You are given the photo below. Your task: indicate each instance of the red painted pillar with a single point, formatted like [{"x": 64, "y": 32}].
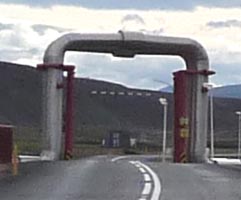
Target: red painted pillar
[
  {"x": 181, "y": 120},
  {"x": 6, "y": 143},
  {"x": 69, "y": 115}
]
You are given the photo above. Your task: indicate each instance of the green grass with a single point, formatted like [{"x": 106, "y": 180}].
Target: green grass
[{"x": 28, "y": 147}]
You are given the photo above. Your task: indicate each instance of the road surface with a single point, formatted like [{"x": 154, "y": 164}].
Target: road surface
[{"x": 121, "y": 178}]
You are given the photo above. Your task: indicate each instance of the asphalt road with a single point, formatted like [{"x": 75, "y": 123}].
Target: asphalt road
[{"x": 121, "y": 178}]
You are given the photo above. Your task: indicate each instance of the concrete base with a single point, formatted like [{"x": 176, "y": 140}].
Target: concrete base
[{"x": 48, "y": 156}]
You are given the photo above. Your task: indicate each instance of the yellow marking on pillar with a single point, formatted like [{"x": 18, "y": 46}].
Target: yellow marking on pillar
[
  {"x": 184, "y": 160},
  {"x": 146, "y": 150},
  {"x": 15, "y": 161},
  {"x": 184, "y": 132},
  {"x": 183, "y": 157},
  {"x": 68, "y": 155},
  {"x": 183, "y": 121},
  {"x": 182, "y": 154}
]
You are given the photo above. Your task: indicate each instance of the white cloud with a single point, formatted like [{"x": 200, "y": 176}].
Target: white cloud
[
  {"x": 21, "y": 42},
  {"x": 133, "y": 17}
]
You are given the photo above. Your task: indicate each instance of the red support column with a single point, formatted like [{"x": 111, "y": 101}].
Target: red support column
[
  {"x": 181, "y": 120},
  {"x": 6, "y": 143},
  {"x": 69, "y": 115}
]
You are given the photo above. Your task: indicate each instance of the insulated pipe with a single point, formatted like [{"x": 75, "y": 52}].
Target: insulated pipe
[{"x": 128, "y": 44}]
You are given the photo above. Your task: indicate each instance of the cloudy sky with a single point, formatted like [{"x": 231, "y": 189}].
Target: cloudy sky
[{"x": 27, "y": 27}]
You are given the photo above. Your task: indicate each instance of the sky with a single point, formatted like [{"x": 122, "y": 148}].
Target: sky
[{"x": 27, "y": 27}]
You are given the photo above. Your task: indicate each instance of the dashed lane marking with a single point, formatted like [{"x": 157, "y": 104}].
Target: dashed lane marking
[
  {"x": 157, "y": 185},
  {"x": 142, "y": 170},
  {"x": 147, "y": 177},
  {"x": 147, "y": 189},
  {"x": 151, "y": 180}
]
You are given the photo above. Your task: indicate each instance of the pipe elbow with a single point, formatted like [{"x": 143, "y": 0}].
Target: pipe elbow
[
  {"x": 199, "y": 50},
  {"x": 55, "y": 51}
]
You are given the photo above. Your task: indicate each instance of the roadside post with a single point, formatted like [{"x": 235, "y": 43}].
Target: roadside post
[
  {"x": 239, "y": 132},
  {"x": 163, "y": 102},
  {"x": 209, "y": 87},
  {"x": 15, "y": 161}
]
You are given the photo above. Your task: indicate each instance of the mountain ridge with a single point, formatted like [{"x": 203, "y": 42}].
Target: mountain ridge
[{"x": 226, "y": 91}]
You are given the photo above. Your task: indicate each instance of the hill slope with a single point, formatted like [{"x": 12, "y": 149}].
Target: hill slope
[
  {"x": 96, "y": 114},
  {"x": 229, "y": 91}
]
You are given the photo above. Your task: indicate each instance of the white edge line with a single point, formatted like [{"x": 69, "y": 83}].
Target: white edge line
[
  {"x": 119, "y": 158},
  {"x": 130, "y": 156},
  {"x": 157, "y": 185}
]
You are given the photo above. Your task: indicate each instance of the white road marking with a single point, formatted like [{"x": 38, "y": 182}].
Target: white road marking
[
  {"x": 147, "y": 189},
  {"x": 121, "y": 93},
  {"x": 132, "y": 162},
  {"x": 157, "y": 185},
  {"x": 137, "y": 165},
  {"x": 119, "y": 158},
  {"x": 103, "y": 92},
  {"x": 93, "y": 92},
  {"x": 27, "y": 158},
  {"x": 227, "y": 161},
  {"x": 147, "y": 177},
  {"x": 131, "y": 156},
  {"x": 142, "y": 170}
]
